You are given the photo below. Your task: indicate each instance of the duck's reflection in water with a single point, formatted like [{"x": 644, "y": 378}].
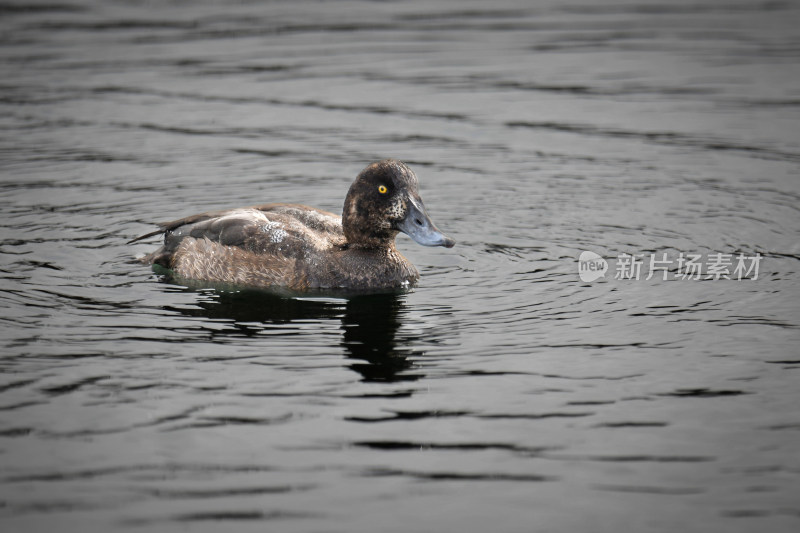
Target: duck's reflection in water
[{"x": 370, "y": 325}]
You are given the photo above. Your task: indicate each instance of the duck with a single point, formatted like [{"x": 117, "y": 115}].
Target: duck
[{"x": 302, "y": 248}]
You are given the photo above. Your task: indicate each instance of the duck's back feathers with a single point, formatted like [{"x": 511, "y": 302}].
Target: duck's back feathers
[{"x": 256, "y": 228}]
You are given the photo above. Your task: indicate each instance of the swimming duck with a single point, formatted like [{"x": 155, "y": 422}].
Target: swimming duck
[{"x": 299, "y": 247}]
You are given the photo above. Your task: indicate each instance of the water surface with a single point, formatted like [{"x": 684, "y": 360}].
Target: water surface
[{"x": 503, "y": 394}]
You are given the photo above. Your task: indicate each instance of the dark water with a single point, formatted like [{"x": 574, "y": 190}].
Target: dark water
[{"x": 504, "y": 394}]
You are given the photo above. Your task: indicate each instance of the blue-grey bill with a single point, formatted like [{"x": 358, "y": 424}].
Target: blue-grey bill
[{"x": 418, "y": 225}]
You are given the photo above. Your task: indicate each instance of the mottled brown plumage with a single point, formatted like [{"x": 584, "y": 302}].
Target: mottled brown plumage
[{"x": 300, "y": 247}]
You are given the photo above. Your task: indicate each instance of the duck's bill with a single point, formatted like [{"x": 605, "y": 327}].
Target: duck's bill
[{"x": 418, "y": 225}]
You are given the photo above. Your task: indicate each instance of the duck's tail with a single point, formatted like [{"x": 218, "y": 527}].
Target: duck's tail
[{"x": 147, "y": 235}]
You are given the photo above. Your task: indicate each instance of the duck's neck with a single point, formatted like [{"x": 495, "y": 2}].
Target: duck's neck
[{"x": 378, "y": 247}]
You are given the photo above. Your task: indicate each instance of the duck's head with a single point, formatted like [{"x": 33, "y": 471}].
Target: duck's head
[{"x": 384, "y": 200}]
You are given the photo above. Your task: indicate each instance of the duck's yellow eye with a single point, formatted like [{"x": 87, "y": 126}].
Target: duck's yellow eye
[{"x": 382, "y": 189}]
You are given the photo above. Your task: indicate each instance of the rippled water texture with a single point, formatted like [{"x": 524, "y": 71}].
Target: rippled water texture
[{"x": 504, "y": 393}]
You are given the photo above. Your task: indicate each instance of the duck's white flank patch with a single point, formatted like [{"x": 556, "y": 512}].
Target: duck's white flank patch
[{"x": 274, "y": 229}]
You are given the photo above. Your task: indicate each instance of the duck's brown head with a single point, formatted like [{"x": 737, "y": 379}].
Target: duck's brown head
[{"x": 384, "y": 200}]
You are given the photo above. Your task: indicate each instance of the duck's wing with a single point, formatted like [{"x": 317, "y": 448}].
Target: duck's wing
[
  {"x": 280, "y": 230},
  {"x": 164, "y": 227},
  {"x": 311, "y": 217}
]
